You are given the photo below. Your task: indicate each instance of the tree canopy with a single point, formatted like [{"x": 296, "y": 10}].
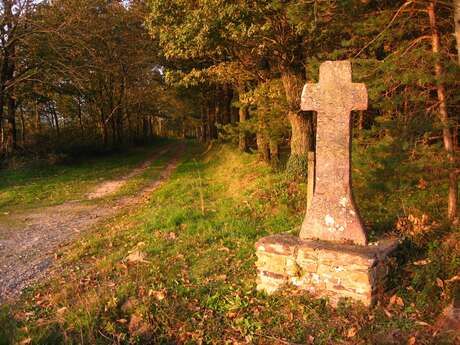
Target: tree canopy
[{"x": 108, "y": 73}]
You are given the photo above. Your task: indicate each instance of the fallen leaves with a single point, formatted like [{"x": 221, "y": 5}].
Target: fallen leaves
[
  {"x": 136, "y": 256},
  {"x": 221, "y": 277},
  {"x": 129, "y": 305},
  {"x": 413, "y": 225},
  {"x": 440, "y": 283},
  {"x": 159, "y": 295},
  {"x": 61, "y": 311},
  {"x": 423, "y": 323},
  {"x": 352, "y": 332},
  {"x": 396, "y": 300},
  {"x": 24, "y": 316},
  {"x": 42, "y": 322},
  {"x": 138, "y": 327},
  {"x": 422, "y": 262},
  {"x": 422, "y": 184},
  {"x": 25, "y": 341},
  {"x": 387, "y": 313}
]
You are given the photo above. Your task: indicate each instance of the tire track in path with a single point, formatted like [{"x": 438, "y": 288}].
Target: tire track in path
[{"x": 29, "y": 241}]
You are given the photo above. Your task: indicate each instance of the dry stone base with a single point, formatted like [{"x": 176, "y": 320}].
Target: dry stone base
[{"x": 323, "y": 268}]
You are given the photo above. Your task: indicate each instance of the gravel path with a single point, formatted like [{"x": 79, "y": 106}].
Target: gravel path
[{"x": 29, "y": 241}]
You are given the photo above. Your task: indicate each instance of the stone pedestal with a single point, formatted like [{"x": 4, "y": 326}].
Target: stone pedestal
[{"x": 323, "y": 268}]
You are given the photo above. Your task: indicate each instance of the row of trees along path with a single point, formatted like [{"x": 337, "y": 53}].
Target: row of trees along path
[{"x": 97, "y": 72}]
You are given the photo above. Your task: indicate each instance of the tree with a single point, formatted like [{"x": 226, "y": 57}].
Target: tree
[
  {"x": 14, "y": 29},
  {"x": 266, "y": 38},
  {"x": 449, "y": 144},
  {"x": 457, "y": 26},
  {"x": 412, "y": 111},
  {"x": 95, "y": 70}
]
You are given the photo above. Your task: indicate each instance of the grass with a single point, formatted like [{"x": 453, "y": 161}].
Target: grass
[
  {"x": 196, "y": 282},
  {"x": 44, "y": 185},
  {"x": 138, "y": 182}
]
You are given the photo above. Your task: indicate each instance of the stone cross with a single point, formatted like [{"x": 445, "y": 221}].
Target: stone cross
[{"x": 333, "y": 215}]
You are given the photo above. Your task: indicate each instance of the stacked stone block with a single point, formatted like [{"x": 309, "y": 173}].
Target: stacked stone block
[{"x": 323, "y": 268}]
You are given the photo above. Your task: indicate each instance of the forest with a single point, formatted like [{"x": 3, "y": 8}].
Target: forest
[{"x": 204, "y": 97}]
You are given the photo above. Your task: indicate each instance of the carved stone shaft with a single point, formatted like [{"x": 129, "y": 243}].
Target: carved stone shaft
[{"x": 333, "y": 215}]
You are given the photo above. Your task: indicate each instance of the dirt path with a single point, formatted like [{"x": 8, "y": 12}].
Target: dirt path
[
  {"x": 29, "y": 241},
  {"x": 110, "y": 187}
]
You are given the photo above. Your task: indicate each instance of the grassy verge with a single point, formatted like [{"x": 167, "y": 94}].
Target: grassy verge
[
  {"x": 45, "y": 185},
  {"x": 181, "y": 270}
]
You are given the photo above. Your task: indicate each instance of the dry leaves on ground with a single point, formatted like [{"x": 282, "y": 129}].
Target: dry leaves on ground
[{"x": 136, "y": 256}]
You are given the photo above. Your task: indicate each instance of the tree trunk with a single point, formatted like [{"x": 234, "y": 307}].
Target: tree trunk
[
  {"x": 227, "y": 105},
  {"x": 152, "y": 132},
  {"x": 211, "y": 120},
  {"x": 444, "y": 116},
  {"x": 274, "y": 153},
  {"x": 263, "y": 142},
  {"x": 2, "y": 104},
  {"x": 104, "y": 129},
  {"x": 119, "y": 126},
  {"x": 130, "y": 128},
  {"x": 38, "y": 125},
  {"x": 243, "y": 138},
  {"x": 263, "y": 146},
  {"x": 11, "y": 144},
  {"x": 4, "y": 78},
  {"x": 114, "y": 130},
  {"x": 300, "y": 141},
  {"x": 184, "y": 128},
  {"x": 55, "y": 120},
  {"x": 300, "y": 123},
  {"x": 457, "y": 26},
  {"x": 80, "y": 120},
  {"x": 160, "y": 127},
  {"x": 300, "y": 144},
  {"x": 203, "y": 126},
  {"x": 234, "y": 111},
  {"x": 11, "y": 101},
  {"x": 215, "y": 112},
  {"x": 145, "y": 129},
  {"x": 23, "y": 126}
]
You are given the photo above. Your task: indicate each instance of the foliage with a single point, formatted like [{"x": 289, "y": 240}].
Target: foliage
[{"x": 95, "y": 77}]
